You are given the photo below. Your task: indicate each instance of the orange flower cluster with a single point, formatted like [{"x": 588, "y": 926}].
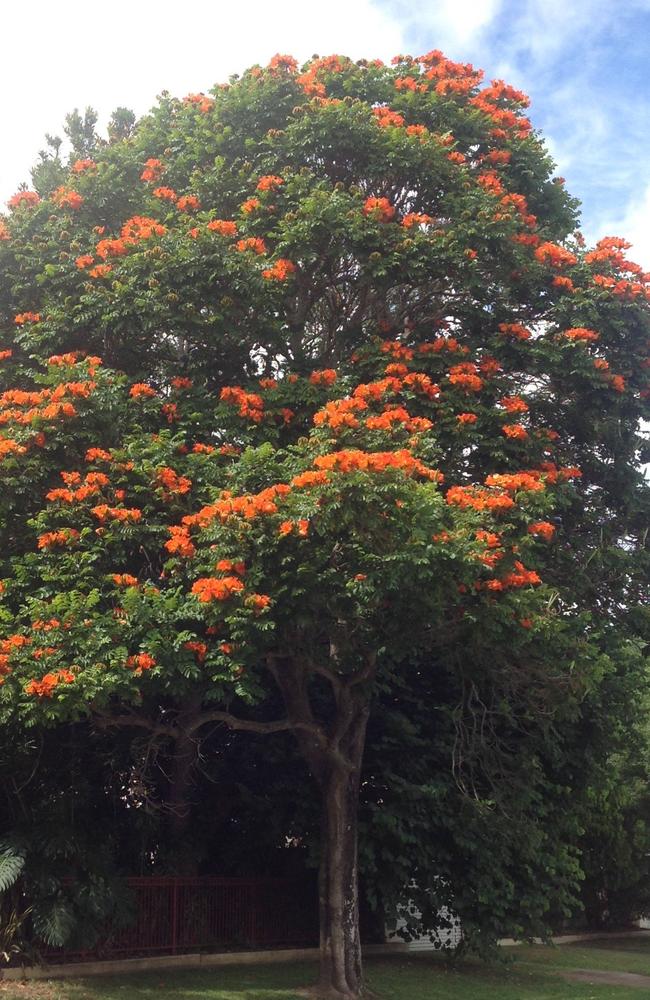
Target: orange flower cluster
[
  {"x": 530, "y": 481},
  {"x": 514, "y": 404},
  {"x": 515, "y": 431},
  {"x": 386, "y": 118},
  {"x": 140, "y": 662},
  {"x": 326, "y": 376},
  {"x": 179, "y": 382},
  {"x": 200, "y": 102},
  {"x": 86, "y": 260},
  {"x": 416, "y": 219},
  {"x": 398, "y": 415},
  {"x": 269, "y": 182},
  {"x": 4, "y": 232},
  {"x": 409, "y": 83},
  {"x": 141, "y": 389},
  {"x": 515, "y": 330},
  {"x": 309, "y": 81},
  {"x": 450, "y": 344},
  {"x": 490, "y": 181},
  {"x": 153, "y": 170},
  {"x": 544, "y": 529},
  {"x": 521, "y": 578},
  {"x": 300, "y": 527},
  {"x": 98, "y": 455},
  {"x": 354, "y": 460},
  {"x": 104, "y": 513},
  {"x": 80, "y": 166},
  {"x": 581, "y": 333},
  {"x": 478, "y": 498},
  {"x": 491, "y": 102},
  {"x": 55, "y": 539},
  {"x": 465, "y": 377},
  {"x": 248, "y": 506},
  {"x": 397, "y": 350},
  {"x": 380, "y": 208},
  {"x": 180, "y": 544},
  {"x": 27, "y": 317},
  {"x": 340, "y": 413},
  {"x": 250, "y": 205},
  {"x": 9, "y": 447},
  {"x": 172, "y": 483},
  {"x": 92, "y": 484},
  {"x": 27, "y": 198},
  {"x": 188, "y": 203},
  {"x": 282, "y": 63},
  {"x": 377, "y": 390},
  {"x": 141, "y": 227},
  {"x": 165, "y": 194},
  {"x": 419, "y": 382},
  {"x": 556, "y": 256},
  {"x": 466, "y": 418},
  {"x": 310, "y": 478},
  {"x": 100, "y": 271},
  {"x": 199, "y": 649},
  {"x": 223, "y": 226},
  {"x": 251, "y": 406},
  {"x": 6, "y": 354},
  {"x": 561, "y": 281},
  {"x": 45, "y": 687},
  {"x": 258, "y": 601},
  {"x": 280, "y": 270},
  {"x": 211, "y": 588},
  {"x": 253, "y": 243},
  {"x": 125, "y": 580},
  {"x": 65, "y": 198}
]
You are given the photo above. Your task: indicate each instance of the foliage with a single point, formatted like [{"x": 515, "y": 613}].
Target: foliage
[{"x": 365, "y": 389}]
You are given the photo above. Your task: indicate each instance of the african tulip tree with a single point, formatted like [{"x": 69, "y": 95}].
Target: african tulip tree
[{"x": 354, "y": 364}]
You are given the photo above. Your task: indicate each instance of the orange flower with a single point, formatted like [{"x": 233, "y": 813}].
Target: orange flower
[
  {"x": 171, "y": 482},
  {"x": 52, "y": 539},
  {"x": 466, "y": 418},
  {"x": 180, "y": 543},
  {"x": 125, "y": 580},
  {"x": 153, "y": 169},
  {"x": 6, "y": 354},
  {"x": 199, "y": 649},
  {"x": 27, "y": 317},
  {"x": 103, "y": 513},
  {"x": 223, "y": 226},
  {"x": 98, "y": 455},
  {"x": 542, "y": 528},
  {"x": 141, "y": 389},
  {"x": 141, "y": 227},
  {"x": 65, "y": 198},
  {"x": 84, "y": 261},
  {"x": 416, "y": 219},
  {"x": 310, "y": 478},
  {"x": 212, "y": 589},
  {"x": 165, "y": 194},
  {"x": 556, "y": 256},
  {"x": 279, "y": 271},
  {"x": 27, "y": 198},
  {"x": 514, "y": 404},
  {"x": 4, "y": 232},
  {"x": 228, "y": 566},
  {"x": 465, "y": 377},
  {"x": 200, "y": 102},
  {"x": 269, "y": 182},
  {"x": 254, "y": 243},
  {"x": 379, "y": 208},
  {"x": 140, "y": 662},
  {"x": 100, "y": 271},
  {"x": 327, "y": 376},
  {"x": 188, "y": 203},
  {"x": 80, "y": 166},
  {"x": 250, "y": 205},
  {"x": 386, "y": 118},
  {"x": 258, "y": 601},
  {"x": 178, "y": 382},
  {"x": 515, "y": 330},
  {"x": 581, "y": 333},
  {"x": 515, "y": 431}
]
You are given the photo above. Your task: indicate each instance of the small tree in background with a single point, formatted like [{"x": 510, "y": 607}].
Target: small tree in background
[{"x": 364, "y": 394}]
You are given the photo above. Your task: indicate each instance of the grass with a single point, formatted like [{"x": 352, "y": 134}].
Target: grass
[{"x": 532, "y": 975}]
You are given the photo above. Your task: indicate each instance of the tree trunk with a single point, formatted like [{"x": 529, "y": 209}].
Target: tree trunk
[{"x": 340, "y": 945}]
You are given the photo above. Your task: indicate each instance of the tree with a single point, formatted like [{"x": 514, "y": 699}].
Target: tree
[{"x": 330, "y": 292}]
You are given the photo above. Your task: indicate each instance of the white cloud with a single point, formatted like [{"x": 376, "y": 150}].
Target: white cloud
[
  {"x": 634, "y": 225},
  {"x": 75, "y": 53},
  {"x": 455, "y": 26}
]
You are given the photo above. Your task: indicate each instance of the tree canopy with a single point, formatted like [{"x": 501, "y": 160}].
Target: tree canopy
[{"x": 312, "y": 388}]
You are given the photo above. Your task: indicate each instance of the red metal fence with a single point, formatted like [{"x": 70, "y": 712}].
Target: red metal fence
[{"x": 175, "y": 914}]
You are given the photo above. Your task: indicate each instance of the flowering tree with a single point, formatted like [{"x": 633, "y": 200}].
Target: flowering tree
[{"x": 359, "y": 381}]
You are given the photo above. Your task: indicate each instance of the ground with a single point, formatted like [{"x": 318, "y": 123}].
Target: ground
[{"x": 530, "y": 973}]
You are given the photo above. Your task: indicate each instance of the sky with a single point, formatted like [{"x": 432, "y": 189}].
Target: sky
[{"x": 584, "y": 64}]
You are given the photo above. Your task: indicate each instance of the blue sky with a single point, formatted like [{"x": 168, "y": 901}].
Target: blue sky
[{"x": 585, "y": 64}]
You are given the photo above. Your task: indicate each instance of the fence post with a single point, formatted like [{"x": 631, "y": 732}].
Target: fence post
[{"x": 174, "y": 914}]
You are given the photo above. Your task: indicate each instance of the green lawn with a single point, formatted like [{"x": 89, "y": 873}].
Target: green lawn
[{"x": 532, "y": 975}]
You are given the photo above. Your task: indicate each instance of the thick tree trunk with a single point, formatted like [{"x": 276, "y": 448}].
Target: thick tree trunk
[{"x": 340, "y": 946}]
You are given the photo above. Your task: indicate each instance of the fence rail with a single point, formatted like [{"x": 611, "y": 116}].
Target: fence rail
[{"x": 176, "y": 914}]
